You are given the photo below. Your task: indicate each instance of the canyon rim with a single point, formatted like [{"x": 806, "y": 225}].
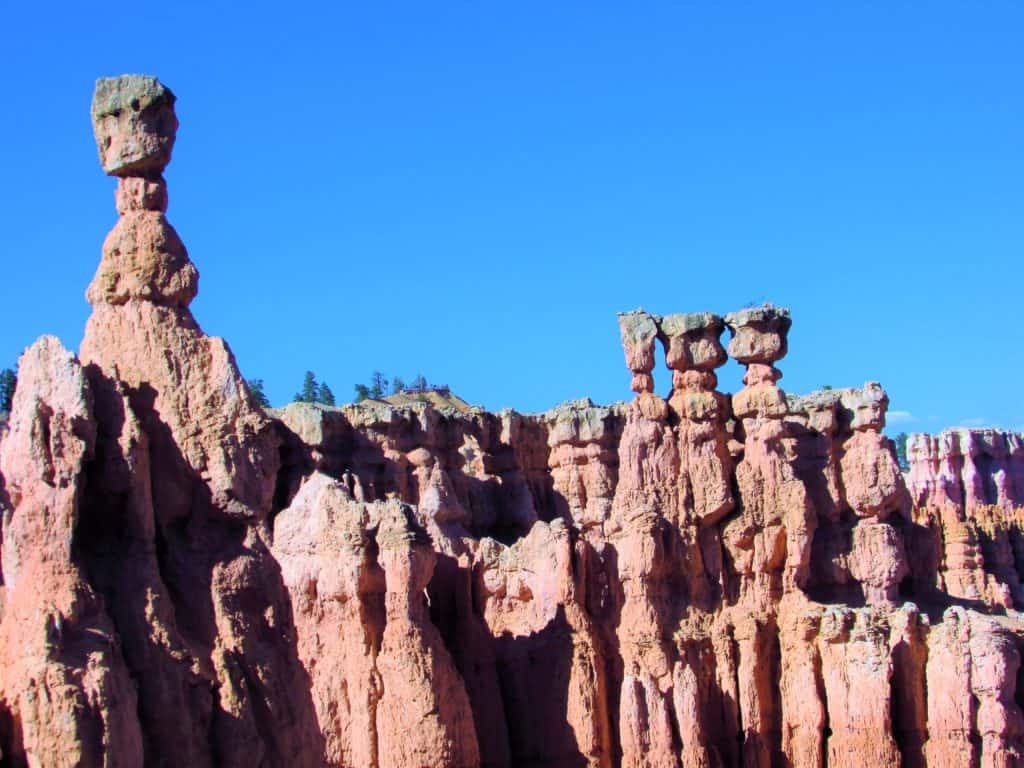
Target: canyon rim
[{"x": 699, "y": 580}]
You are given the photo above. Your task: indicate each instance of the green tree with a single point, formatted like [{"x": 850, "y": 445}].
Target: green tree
[
  {"x": 310, "y": 389},
  {"x": 257, "y": 392},
  {"x": 326, "y": 396},
  {"x": 362, "y": 392},
  {"x": 901, "y": 451},
  {"x": 420, "y": 382},
  {"x": 378, "y": 383},
  {"x": 397, "y": 385},
  {"x": 8, "y": 383}
]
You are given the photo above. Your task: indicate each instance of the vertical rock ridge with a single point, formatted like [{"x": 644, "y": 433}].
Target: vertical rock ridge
[
  {"x": 65, "y": 690},
  {"x": 184, "y": 482}
]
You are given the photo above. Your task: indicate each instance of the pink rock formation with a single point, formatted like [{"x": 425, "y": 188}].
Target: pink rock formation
[
  {"x": 638, "y": 330},
  {"x": 693, "y": 351},
  {"x": 769, "y": 542},
  {"x": 966, "y": 487},
  {"x": 170, "y": 531},
  {"x": 695, "y": 580},
  {"x": 385, "y": 687},
  {"x": 67, "y": 696},
  {"x": 966, "y": 468}
]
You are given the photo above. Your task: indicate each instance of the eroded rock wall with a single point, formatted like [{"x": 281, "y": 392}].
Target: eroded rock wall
[{"x": 698, "y": 580}]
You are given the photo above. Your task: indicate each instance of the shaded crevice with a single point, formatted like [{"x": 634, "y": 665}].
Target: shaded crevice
[
  {"x": 907, "y": 703},
  {"x": 734, "y": 652},
  {"x": 774, "y": 679},
  {"x": 152, "y": 544},
  {"x": 294, "y": 465},
  {"x": 533, "y": 674},
  {"x": 826, "y": 725},
  {"x": 12, "y": 748}
]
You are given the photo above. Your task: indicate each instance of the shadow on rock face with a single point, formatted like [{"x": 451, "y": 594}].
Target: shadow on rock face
[
  {"x": 534, "y": 675},
  {"x": 197, "y": 599}
]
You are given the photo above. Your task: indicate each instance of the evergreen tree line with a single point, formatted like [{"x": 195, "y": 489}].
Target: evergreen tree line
[
  {"x": 380, "y": 386},
  {"x": 314, "y": 392},
  {"x": 320, "y": 392}
]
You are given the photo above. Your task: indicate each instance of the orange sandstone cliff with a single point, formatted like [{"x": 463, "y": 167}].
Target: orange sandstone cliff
[{"x": 698, "y": 580}]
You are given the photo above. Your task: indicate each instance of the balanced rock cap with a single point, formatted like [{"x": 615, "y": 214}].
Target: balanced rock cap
[
  {"x": 778, "y": 317},
  {"x": 691, "y": 340},
  {"x": 759, "y": 334},
  {"x": 686, "y": 322},
  {"x": 134, "y": 123},
  {"x": 638, "y": 330}
]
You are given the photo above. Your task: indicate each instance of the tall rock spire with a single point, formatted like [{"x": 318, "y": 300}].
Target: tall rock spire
[
  {"x": 143, "y": 257},
  {"x": 142, "y": 332},
  {"x": 186, "y": 467}
]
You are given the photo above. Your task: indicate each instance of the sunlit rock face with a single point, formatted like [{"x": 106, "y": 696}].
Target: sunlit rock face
[{"x": 701, "y": 579}]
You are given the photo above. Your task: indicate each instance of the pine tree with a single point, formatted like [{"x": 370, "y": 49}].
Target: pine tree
[
  {"x": 8, "y": 383},
  {"x": 257, "y": 392},
  {"x": 310, "y": 389},
  {"x": 362, "y": 392},
  {"x": 420, "y": 382},
  {"x": 378, "y": 383},
  {"x": 326, "y": 396}
]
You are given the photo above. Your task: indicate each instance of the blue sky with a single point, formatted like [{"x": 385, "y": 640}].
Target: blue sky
[{"x": 473, "y": 190}]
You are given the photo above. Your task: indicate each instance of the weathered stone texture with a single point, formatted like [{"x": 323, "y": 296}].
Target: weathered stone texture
[{"x": 695, "y": 580}]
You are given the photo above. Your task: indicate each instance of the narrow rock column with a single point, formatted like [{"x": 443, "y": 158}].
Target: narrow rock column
[
  {"x": 873, "y": 488},
  {"x": 143, "y": 258},
  {"x": 801, "y": 687},
  {"x": 768, "y": 543},
  {"x": 639, "y": 330},
  {"x": 856, "y": 670},
  {"x": 424, "y": 716},
  {"x": 214, "y": 649},
  {"x": 329, "y": 565},
  {"x": 141, "y": 331},
  {"x": 645, "y": 537},
  {"x": 951, "y": 708},
  {"x": 67, "y": 699},
  {"x": 772, "y": 536},
  {"x": 693, "y": 352}
]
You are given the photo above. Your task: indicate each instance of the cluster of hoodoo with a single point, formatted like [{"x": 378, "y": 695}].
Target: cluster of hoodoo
[{"x": 702, "y": 579}]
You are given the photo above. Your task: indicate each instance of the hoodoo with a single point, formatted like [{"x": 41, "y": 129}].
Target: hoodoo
[{"x": 697, "y": 580}]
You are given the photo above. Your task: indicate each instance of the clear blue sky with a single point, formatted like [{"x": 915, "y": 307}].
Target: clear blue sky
[{"x": 473, "y": 190}]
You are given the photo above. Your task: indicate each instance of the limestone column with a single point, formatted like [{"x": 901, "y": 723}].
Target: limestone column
[
  {"x": 646, "y": 543},
  {"x": 768, "y": 543},
  {"x": 873, "y": 489},
  {"x": 772, "y": 536},
  {"x": 693, "y": 351}
]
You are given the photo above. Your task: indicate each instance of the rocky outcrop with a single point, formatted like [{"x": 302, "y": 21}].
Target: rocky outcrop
[
  {"x": 68, "y": 698},
  {"x": 967, "y": 468},
  {"x": 164, "y": 507},
  {"x": 386, "y": 690},
  {"x": 966, "y": 487},
  {"x": 692, "y": 580}
]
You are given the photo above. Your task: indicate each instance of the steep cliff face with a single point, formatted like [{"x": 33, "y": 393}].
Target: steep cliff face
[{"x": 697, "y": 580}]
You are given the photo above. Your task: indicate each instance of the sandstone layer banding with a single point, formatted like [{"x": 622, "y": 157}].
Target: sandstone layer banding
[{"x": 699, "y": 580}]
